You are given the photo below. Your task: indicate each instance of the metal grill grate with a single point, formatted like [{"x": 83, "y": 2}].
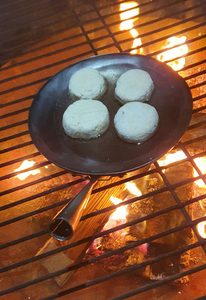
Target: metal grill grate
[{"x": 71, "y": 31}]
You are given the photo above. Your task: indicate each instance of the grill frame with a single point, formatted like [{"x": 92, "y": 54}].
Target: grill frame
[{"x": 157, "y": 168}]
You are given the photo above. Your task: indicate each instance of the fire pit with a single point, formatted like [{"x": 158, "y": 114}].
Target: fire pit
[{"x": 143, "y": 234}]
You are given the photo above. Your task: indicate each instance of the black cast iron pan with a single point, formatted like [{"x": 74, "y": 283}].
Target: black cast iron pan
[{"x": 108, "y": 155}]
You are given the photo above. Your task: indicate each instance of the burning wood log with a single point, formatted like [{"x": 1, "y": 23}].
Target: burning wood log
[
  {"x": 171, "y": 220},
  {"x": 88, "y": 227},
  {"x": 152, "y": 227}
]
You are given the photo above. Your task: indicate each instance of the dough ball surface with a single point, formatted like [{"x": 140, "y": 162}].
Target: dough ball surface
[
  {"x": 134, "y": 85},
  {"x": 87, "y": 83},
  {"x": 85, "y": 119},
  {"x": 136, "y": 122}
]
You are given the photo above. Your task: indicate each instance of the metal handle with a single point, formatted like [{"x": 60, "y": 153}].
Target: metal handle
[{"x": 66, "y": 222}]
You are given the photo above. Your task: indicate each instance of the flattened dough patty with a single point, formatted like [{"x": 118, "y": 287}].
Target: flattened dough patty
[
  {"x": 87, "y": 83},
  {"x": 134, "y": 85},
  {"x": 85, "y": 119},
  {"x": 135, "y": 122}
]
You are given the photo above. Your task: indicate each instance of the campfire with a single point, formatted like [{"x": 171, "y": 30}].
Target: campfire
[
  {"x": 144, "y": 229},
  {"x": 174, "y": 48}
]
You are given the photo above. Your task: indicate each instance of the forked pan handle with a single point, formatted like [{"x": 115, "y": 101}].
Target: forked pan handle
[{"x": 66, "y": 221}]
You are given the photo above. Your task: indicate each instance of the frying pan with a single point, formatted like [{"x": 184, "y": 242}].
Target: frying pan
[{"x": 108, "y": 154}]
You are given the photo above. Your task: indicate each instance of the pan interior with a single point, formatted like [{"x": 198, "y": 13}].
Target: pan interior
[{"x": 109, "y": 154}]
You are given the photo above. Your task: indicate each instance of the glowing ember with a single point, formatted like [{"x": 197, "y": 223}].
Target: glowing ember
[
  {"x": 133, "y": 189},
  {"x": 201, "y": 164},
  {"x": 171, "y": 158},
  {"x": 26, "y": 164},
  {"x": 201, "y": 227},
  {"x": 129, "y": 24},
  {"x": 181, "y": 50}
]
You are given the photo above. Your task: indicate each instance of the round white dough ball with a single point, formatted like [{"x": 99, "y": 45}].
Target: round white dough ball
[
  {"x": 87, "y": 83},
  {"x": 135, "y": 122},
  {"x": 85, "y": 119},
  {"x": 134, "y": 85}
]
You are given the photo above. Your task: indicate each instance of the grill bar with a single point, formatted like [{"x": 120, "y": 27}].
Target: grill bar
[
  {"x": 108, "y": 29},
  {"x": 83, "y": 23},
  {"x": 23, "y": 186},
  {"x": 38, "y": 81},
  {"x": 171, "y": 186},
  {"x": 189, "y": 157},
  {"x": 178, "y": 201},
  {"x": 47, "y": 192},
  {"x": 169, "y": 35},
  {"x": 133, "y": 177},
  {"x": 129, "y": 269},
  {"x": 19, "y": 159},
  {"x": 13, "y": 137},
  {"x": 42, "y": 164},
  {"x": 200, "y": 109},
  {"x": 199, "y": 97},
  {"x": 108, "y": 209},
  {"x": 196, "y": 139},
  {"x": 197, "y": 85},
  {"x": 95, "y": 51},
  {"x": 195, "y": 75},
  {"x": 85, "y": 12},
  {"x": 116, "y": 13},
  {"x": 35, "y": 212},
  {"x": 164, "y": 281},
  {"x": 32, "y": 18},
  {"x": 92, "y": 31},
  {"x": 196, "y": 125},
  {"x": 28, "y": 143},
  {"x": 186, "y": 55},
  {"x": 19, "y": 84},
  {"x": 108, "y": 254},
  {"x": 188, "y": 42},
  {"x": 14, "y": 148},
  {"x": 181, "y": 206},
  {"x": 113, "y": 44},
  {"x": 193, "y": 65},
  {"x": 13, "y": 125},
  {"x": 24, "y": 239},
  {"x": 17, "y": 101}
]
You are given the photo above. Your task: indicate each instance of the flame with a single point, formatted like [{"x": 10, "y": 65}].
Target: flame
[
  {"x": 129, "y": 24},
  {"x": 179, "y": 155},
  {"x": 26, "y": 164},
  {"x": 181, "y": 50},
  {"x": 201, "y": 227},
  {"x": 120, "y": 213},
  {"x": 133, "y": 189},
  {"x": 171, "y": 157},
  {"x": 201, "y": 164},
  {"x": 124, "y": 15}
]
